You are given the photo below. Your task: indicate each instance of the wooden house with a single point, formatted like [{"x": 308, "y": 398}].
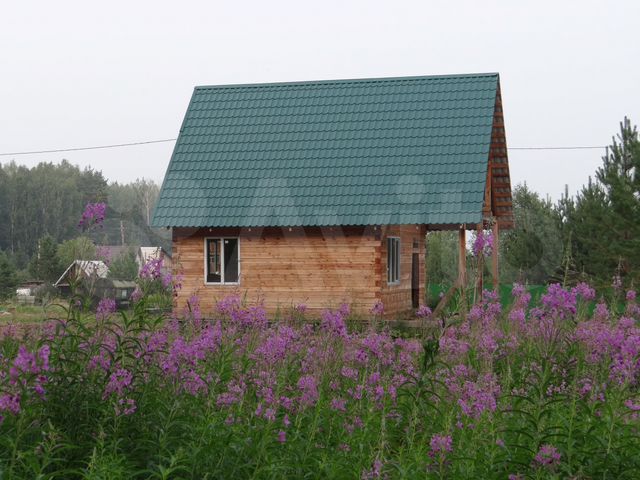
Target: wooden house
[
  {"x": 322, "y": 192},
  {"x": 91, "y": 278}
]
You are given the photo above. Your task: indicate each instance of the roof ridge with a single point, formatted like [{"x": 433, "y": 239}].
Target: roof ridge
[{"x": 345, "y": 81}]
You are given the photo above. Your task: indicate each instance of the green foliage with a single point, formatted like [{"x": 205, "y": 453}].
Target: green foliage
[
  {"x": 442, "y": 257},
  {"x": 129, "y": 215},
  {"x": 44, "y": 200},
  {"x": 76, "y": 432},
  {"x": 124, "y": 267},
  {"x": 620, "y": 178},
  {"x": 603, "y": 221},
  {"x": 8, "y": 277},
  {"x": 45, "y": 264},
  {"x": 79, "y": 248},
  {"x": 532, "y": 251},
  {"x": 49, "y": 199}
]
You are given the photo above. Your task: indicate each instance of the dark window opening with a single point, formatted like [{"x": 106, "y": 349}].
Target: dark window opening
[
  {"x": 231, "y": 260},
  {"x": 222, "y": 260},
  {"x": 393, "y": 260}
]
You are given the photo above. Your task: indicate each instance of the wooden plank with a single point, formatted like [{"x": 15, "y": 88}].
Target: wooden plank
[
  {"x": 462, "y": 267},
  {"x": 494, "y": 256}
]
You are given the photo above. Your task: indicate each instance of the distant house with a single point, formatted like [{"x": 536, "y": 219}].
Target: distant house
[
  {"x": 322, "y": 192},
  {"x": 81, "y": 270},
  {"x": 90, "y": 277},
  {"x": 26, "y": 291}
]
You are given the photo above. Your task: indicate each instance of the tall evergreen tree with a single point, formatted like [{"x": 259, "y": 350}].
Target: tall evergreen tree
[
  {"x": 620, "y": 178},
  {"x": 602, "y": 223},
  {"x": 45, "y": 264},
  {"x": 8, "y": 277}
]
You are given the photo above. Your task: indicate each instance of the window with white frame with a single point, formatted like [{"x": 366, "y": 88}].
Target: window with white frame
[
  {"x": 222, "y": 260},
  {"x": 393, "y": 260}
]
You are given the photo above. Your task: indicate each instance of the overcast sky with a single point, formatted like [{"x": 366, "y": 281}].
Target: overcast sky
[{"x": 74, "y": 74}]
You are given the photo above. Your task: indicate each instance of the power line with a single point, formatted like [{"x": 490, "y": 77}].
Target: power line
[
  {"x": 148, "y": 142},
  {"x": 95, "y": 147},
  {"x": 590, "y": 147}
]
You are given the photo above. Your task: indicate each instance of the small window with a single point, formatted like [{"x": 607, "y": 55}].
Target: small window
[
  {"x": 393, "y": 260},
  {"x": 222, "y": 261}
]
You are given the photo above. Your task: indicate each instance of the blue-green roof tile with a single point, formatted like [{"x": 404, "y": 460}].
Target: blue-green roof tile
[{"x": 345, "y": 152}]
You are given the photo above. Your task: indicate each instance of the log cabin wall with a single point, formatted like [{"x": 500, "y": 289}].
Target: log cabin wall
[
  {"x": 397, "y": 298},
  {"x": 320, "y": 267}
]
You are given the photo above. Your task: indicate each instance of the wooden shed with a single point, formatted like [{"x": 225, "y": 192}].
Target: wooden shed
[{"x": 322, "y": 192}]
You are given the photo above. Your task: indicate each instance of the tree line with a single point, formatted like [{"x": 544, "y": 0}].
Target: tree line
[{"x": 39, "y": 212}]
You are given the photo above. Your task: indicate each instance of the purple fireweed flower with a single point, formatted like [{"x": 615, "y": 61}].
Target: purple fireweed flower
[
  {"x": 309, "y": 390},
  {"x": 423, "y": 312},
  {"x": 43, "y": 355},
  {"x": 548, "y": 456},
  {"x": 93, "y": 215},
  {"x": 119, "y": 381},
  {"x": 282, "y": 436},
  {"x": 277, "y": 346},
  {"x": 106, "y": 307},
  {"x": 10, "y": 403},
  {"x": 125, "y": 406},
  {"x": 375, "y": 472},
  {"x": 350, "y": 373},
  {"x": 333, "y": 322},
  {"x": 518, "y": 316},
  {"x": 482, "y": 244},
  {"x": 440, "y": 445},
  {"x": 632, "y": 406},
  {"x": 152, "y": 270},
  {"x": 136, "y": 295},
  {"x": 631, "y": 296},
  {"x": 601, "y": 312},
  {"x": 300, "y": 308},
  {"x": 585, "y": 291},
  {"x": 559, "y": 302},
  {"x": 451, "y": 345},
  {"x": 25, "y": 362},
  {"x": 339, "y": 404},
  {"x": 521, "y": 296},
  {"x": 378, "y": 308},
  {"x": 234, "y": 394}
]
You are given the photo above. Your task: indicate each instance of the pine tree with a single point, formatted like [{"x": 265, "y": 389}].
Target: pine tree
[
  {"x": 620, "y": 178},
  {"x": 45, "y": 264},
  {"x": 8, "y": 277}
]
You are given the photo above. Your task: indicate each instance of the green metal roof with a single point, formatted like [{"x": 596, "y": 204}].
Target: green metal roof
[{"x": 410, "y": 150}]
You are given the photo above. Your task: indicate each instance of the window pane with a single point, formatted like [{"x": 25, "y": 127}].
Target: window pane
[
  {"x": 213, "y": 260},
  {"x": 397, "y": 264},
  {"x": 231, "y": 260},
  {"x": 389, "y": 262}
]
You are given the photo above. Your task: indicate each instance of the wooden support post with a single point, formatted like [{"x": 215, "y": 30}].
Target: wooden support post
[
  {"x": 479, "y": 286},
  {"x": 462, "y": 267},
  {"x": 494, "y": 255}
]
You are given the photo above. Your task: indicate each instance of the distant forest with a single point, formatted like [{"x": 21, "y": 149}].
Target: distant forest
[{"x": 47, "y": 201}]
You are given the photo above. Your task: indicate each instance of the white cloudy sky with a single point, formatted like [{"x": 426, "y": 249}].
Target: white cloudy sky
[{"x": 79, "y": 73}]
